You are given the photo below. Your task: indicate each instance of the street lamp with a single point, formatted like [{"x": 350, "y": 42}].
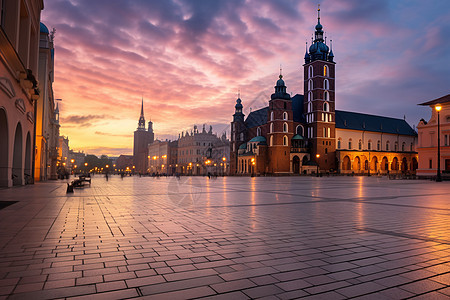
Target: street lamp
[
  {"x": 438, "y": 177},
  {"x": 317, "y": 161}
]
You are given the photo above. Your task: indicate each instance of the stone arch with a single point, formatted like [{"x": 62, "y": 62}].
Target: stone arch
[
  {"x": 394, "y": 164},
  {"x": 404, "y": 166},
  {"x": 27, "y": 170},
  {"x": 346, "y": 163},
  {"x": 258, "y": 131},
  {"x": 414, "y": 164},
  {"x": 299, "y": 130},
  {"x": 17, "y": 167},
  {"x": 357, "y": 164},
  {"x": 384, "y": 164},
  {"x": 4, "y": 155},
  {"x": 374, "y": 164},
  {"x": 296, "y": 164}
]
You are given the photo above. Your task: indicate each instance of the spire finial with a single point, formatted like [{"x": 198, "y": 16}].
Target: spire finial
[
  {"x": 239, "y": 93},
  {"x": 318, "y": 12},
  {"x": 281, "y": 70},
  {"x": 142, "y": 107}
]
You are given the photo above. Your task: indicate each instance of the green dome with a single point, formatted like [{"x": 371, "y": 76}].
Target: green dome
[
  {"x": 243, "y": 146},
  {"x": 257, "y": 139},
  {"x": 297, "y": 137}
]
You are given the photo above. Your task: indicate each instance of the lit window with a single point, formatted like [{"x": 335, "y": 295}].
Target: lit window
[
  {"x": 285, "y": 141},
  {"x": 271, "y": 140},
  {"x": 325, "y": 71},
  {"x": 271, "y": 127}
]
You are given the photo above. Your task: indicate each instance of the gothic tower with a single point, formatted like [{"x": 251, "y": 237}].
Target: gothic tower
[
  {"x": 142, "y": 138},
  {"x": 237, "y": 134},
  {"x": 319, "y": 104},
  {"x": 280, "y": 129}
]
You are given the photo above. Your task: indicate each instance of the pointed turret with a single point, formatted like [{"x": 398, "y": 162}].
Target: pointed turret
[{"x": 141, "y": 122}]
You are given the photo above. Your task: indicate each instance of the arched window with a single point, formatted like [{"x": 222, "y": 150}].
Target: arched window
[
  {"x": 271, "y": 140},
  {"x": 324, "y": 132},
  {"x": 396, "y": 146},
  {"x": 329, "y": 132},
  {"x": 411, "y": 147},
  {"x": 329, "y": 118},
  {"x": 350, "y": 144},
  {"x": 326, "y": 106},
  {"x": 310, "y": 96},
  {"x": 323, "y": 117},
  {"x": 403, "y": 147},
  {"x": 369, "y": 145},
  {"x": 299, "y": 130},
  {"x": 271, "y": 116},
  {"x": 258, "y": 131},
  {"x": 339, "y": 143},
  {"x": 310, "y": 72},
  {"x": 387, "y": 146},
  {"x": 310, "y": 85},
  {"x": 326, "y": 96},
  {"x": 325, "y": 71},
  {"x": 378, "y": 145},
  {"x": 285, "y": 141},
  {"x": 310, "y": 107},
  {"x": 359, "y": 145},
  {"x": 285, "y": 116},
  {"x": 285, "y": 127},
  {"x": 271, "y": 127},
  {"x": 326, "y": 84}
]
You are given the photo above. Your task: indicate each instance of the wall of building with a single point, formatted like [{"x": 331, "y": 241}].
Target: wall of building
[
  {"x": 427, "y": 144},
  {"x": 19, "y": 34}
]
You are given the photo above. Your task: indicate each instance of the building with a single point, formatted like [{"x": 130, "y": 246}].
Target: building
[
  {"x": 200, "y": 152},
  {"x": 19, "y": 40},
  {"x": 124, "y": 163},
  {"x": 302, "y": 134},
  {"x": 428, "y": 138},
  {"x": 142, "y": 138},
  {"x": 47, "y": 115},
  {"x": 161, "y": 158}
]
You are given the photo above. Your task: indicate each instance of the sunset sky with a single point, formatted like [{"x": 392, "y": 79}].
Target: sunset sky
[{"x": 188, "y": 59}]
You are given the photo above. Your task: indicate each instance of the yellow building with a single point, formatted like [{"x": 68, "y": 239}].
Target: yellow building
[{"x": 19, "y": 49}]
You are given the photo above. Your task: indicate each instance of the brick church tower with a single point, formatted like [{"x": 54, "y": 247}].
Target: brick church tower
[
  {"x": 281, "y": 128},
  {"x": 142, "y": 138},
  {"x": 238, "y": 134},
  {"x": 319, "y": 104}
]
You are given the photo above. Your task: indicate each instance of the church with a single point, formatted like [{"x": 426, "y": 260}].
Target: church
[{"x": 305, "y": 134}]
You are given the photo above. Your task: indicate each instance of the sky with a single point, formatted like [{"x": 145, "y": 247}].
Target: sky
[{"x": 188, "y": 59}]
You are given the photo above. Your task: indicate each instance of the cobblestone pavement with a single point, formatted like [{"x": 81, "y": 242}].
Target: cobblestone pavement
[{"x": 227, "y": 238}]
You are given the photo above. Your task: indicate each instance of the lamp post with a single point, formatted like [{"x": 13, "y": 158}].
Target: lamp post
[
  {"x": 317, "y": 161},
  {"x": 438, "y": 175}
]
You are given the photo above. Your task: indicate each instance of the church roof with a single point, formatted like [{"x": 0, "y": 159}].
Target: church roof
[
  {"x": 257, "y": 117},
  {"x": 441, "y": 100},
  {"x": 359, "y": 121}
]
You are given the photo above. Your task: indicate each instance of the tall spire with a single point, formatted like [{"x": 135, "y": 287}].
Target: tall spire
[{"x": 141, "y": 123}]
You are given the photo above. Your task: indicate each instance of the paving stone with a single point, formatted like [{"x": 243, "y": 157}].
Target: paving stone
[{"x": 265, "y": 237}]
